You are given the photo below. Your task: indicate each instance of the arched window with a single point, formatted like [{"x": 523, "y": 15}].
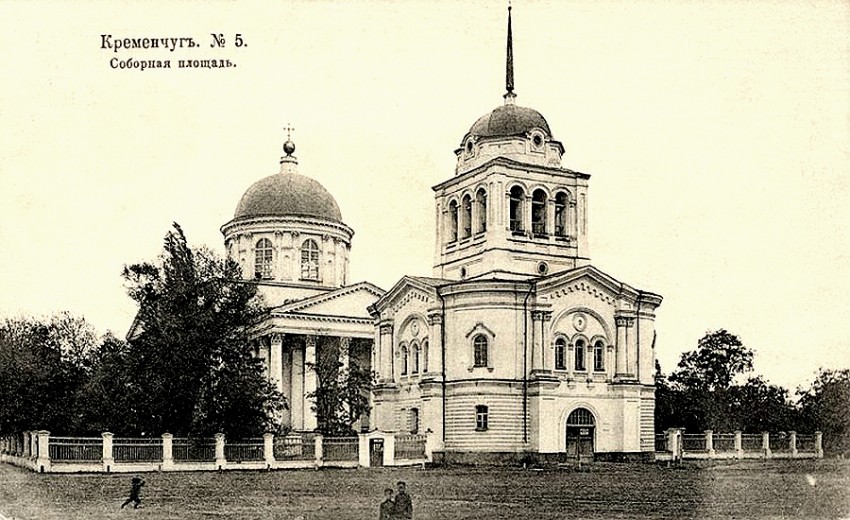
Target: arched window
[
  {"x": 403, "y": 360},
  {"x": 479, "y": 346},
  {"x": 466, "y": 217},
  {"x": 580, "y": 417},
  {"x": 263, "y": 259},
  {"x": 561, "y": 214},
  {"x": 309, "y": 260},
  {"x": 481, "y": 200},
  {"x": 515, "y": 213},
  {"x": 414, "y": 350},
  {"x": 599, "y": 356},
  {"x": 560, "y": 354},
  {"x": 414, "y": 420},
  {"x": 538, "y": 212},
  {"x": 453, "y": 221},
  {"x": 425, "y": 356},
  {"x": 481, "y": 418},
  {"x": 579, "y": 353}
]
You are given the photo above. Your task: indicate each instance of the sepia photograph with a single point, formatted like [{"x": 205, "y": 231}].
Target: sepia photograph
[{"x": 427, "y": 259}]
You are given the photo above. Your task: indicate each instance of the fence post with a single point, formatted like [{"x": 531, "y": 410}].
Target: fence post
[
  {"x": 167, "y": 451},
  {"x": 268, "y": 448},
  {"x": 792, "y": 442},
  {"x": 819, "y": 444},
  {"x": 106, "y": 457},
  {"x": 43, "y": 461},
  {"x": 363, "y": 450},
  {"x": 739, "y": 445},
  {"x": 430, "y": 441},
  {"x": 318, "y": 450},
  {"x": 28, "y": 441},
  {"x": 389, "y": 449},
  {"x": 709, "y": 443},
  {"x": 220, "y": 461},
  {"x": 765, "y": 444}
]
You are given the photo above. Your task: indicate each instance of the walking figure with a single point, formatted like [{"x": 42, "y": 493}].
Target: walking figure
[
  {"x": 387, "y": 510},
  {"x": 135, "y": 487}
]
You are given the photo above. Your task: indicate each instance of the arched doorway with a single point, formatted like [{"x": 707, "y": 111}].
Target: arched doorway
[{"x": 580, "y": 435}]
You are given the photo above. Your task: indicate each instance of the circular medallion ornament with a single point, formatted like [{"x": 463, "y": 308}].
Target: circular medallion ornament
[
  {"x": 579, "y": 321},
  {"x": 414, "y": 328}
]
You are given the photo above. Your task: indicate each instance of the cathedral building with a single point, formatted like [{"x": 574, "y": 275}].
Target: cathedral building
[
  {"x": 516, "y": 346},
  {"x": 288, "y": 236}
]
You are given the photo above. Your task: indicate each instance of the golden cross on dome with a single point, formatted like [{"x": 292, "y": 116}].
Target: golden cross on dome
[{"x": 289, "y": 131}]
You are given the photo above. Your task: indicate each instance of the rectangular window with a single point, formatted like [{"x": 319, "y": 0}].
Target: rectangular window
[{"x": 481, "y": 418}]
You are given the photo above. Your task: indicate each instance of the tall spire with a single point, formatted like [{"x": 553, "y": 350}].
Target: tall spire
[{"x": 509, "y": 64}]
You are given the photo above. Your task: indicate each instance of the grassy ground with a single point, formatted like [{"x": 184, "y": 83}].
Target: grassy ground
[{"x": 774, "y": 489}]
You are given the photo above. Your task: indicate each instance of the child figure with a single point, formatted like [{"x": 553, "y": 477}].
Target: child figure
[
  {"x": 135, "y": 487},
  {"x": 387, "y": 511}
]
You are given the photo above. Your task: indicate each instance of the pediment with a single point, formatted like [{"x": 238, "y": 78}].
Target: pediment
[
  {"x": 407, "y": 289},
  {"x": 352, "y": 301},
  {"x": 592, "y": 281}
]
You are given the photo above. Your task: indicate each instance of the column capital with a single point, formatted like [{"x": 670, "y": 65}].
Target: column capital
[
  {"x": 435, "y": 318},
  {"x": 624, "y": 321},
  {"x": 276, "y": 337},
  {"x": 310, "y": 340},
  {"x": 386, "y": 326}
]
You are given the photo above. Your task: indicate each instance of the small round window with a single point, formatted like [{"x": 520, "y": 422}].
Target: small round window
[
  {"x": 469, "y": 146},
  {"x": 542, "y": 268},
  {"x": 537, "y": 140}
]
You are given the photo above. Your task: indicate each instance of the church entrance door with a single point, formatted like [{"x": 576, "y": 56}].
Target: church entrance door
[{"x": 581, "y": 429}]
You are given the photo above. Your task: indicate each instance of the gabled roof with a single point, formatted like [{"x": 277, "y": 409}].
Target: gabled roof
[
  {"x": 606, "y": 281},
  {"x": 339, "y": 302},
  {"x": 423, "y": 283}
]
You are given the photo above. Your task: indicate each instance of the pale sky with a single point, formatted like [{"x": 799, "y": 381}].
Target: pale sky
[{"x": 717, "y": 135}]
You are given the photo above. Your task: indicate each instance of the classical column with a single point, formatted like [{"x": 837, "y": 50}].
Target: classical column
[
  {"x": 309, "y": 383},
  {"x": 296, "y": 397},
  {"x": 276, "y": 361},
  {"x": 550, "y": 217},
  {"x": 545, "y": 341},
  {"x": 286, "y": 381},
  {"x": 387, "y": 365},
  {"x": 625, "y": 356},
  {"x": 344, "y": 351},
  {"x": 435, "y": 341},
  {"x": 572, "y": 222},
  {"x": 536, "y": 341},
  {"x": 344, "y": 357}
]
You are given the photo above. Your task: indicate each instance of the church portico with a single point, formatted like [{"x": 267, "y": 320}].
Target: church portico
[{"x": 289, "y": 356}]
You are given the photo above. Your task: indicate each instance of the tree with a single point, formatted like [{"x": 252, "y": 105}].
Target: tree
[
  {"x": 42, "y": 366},
  {"x": 342, "y": 394},
  {"x": 189, "y": 365},
  {"x": 824, "y": 406},
  {"x": 719, "y": 358}
]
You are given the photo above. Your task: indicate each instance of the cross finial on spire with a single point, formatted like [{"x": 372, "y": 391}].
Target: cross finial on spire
[
  {"x": 289, "y": 131},
  {"x": 509, "y": 63}
]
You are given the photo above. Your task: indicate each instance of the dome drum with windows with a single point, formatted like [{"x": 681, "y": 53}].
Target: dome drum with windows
[{"x": 288, "y": 228}]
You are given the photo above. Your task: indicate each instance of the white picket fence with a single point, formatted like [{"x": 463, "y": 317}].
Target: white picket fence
[{"x": 44, "y": 453}]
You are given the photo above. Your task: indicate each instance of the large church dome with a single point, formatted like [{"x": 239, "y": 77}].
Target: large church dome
[
  {"x": 288, "y": 194},
  {"x": 509, "y": 120}
]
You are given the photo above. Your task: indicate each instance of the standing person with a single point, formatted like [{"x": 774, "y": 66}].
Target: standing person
[
  {"x": 387, "y": 510},
  {"x": 403, "y": 503},
  {"x": 136, "y": 484}
]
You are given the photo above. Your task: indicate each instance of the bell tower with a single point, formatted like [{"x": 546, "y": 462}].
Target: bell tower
[{"x": 511, "y": 209}]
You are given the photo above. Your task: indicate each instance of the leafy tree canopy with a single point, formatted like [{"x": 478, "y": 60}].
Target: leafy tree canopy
[
  {"x": 719, "y": 358},
  {"x": 190, "y": 368}
]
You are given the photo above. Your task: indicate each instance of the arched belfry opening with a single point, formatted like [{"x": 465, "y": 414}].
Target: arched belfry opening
[{"x": 581, "y": 433}]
